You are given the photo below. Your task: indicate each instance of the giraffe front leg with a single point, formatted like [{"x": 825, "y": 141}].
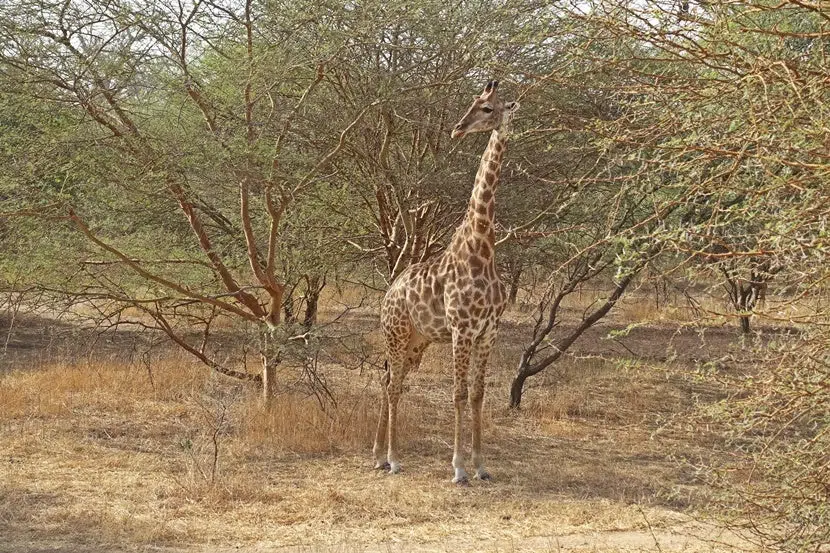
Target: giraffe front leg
[
  {"x": 476, "y": 402},
  {"x": 394, "y": 389},
  {"x": 379, "y": 449},
  {"x": 461, "y": 363},
  {"x": 400, "y": 363},
  {"x": 481, "y": 358},
  {"x": 460, "y": 400}
]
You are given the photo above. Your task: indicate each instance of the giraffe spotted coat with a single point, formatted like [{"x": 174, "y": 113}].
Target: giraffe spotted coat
[{"x": 456, "y": 297}]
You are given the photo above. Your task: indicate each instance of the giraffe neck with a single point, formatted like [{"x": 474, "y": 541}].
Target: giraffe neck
[{"x": 477, "y": 236}]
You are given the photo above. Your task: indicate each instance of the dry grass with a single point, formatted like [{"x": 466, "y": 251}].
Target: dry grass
[{"x": 104, "y": 454}]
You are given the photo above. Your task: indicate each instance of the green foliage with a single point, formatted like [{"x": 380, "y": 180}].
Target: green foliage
[
  {"x": 173, "y": 160},
  {"x": 737, "y": 107},
  {"x": 775, "y": 426}
]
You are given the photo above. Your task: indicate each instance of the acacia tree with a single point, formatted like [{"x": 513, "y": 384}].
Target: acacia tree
[
  {"x": 411, "y": 181},
  {"x": 201, "y": 108},
  {"x": 602, "y": 203},
  {"x": 744, "y": 141},
  {"x": 401, "y": 163}
]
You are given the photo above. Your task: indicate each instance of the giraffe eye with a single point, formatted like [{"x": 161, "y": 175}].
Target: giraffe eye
[{"x": 487, "y": 109}]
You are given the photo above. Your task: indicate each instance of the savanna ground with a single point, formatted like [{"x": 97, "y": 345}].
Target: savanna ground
[{"x": 106, "y": 446}]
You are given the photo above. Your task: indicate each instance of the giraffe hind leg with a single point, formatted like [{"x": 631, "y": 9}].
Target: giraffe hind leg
[
  {"x": 379, "y": 449},
  {"x": 401, "y": 363}
]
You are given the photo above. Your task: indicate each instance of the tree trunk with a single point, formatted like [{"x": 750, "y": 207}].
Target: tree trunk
[
  {"x": 746, "y": 304},
  {"x": 515, "y": 279},
  {"x": 314, "y": 286},
  {"x": 530, "y": 366},
  {"x": 744, "y": 324},
  {"x": 269, "y": 381},
  {"x": 746, "y": 294},
  {"x": 310, "y": 316},
  {"x": 288, "y": 305},
  {"x": 516, "y": 389},
  {"x": 747, "y": 298},
  {"x": 270, "y": 354}
]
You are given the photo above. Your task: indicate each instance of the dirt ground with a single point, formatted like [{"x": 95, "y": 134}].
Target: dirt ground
[
  {"x": 689, "y": 537},
  {"x": 111, "y": 453}
]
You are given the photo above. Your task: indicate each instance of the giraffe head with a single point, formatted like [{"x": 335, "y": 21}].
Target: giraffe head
[{"x": 487, "y": 113}]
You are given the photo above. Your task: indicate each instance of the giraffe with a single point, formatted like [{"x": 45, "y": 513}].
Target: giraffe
[{"x": 455, "y": 297}]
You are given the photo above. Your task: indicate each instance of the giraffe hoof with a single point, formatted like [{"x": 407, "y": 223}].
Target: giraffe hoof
[
  {"x": 381, "y": 465},
  {"x": 484, "y": 476},
  {"x": 394, "y": 468},
  {"x": 462, "y": 481}
]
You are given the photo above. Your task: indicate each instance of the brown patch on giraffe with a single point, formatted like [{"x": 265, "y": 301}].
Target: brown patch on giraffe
[
  {"x": 491, "y": 210},
  {"x": 496, "y": 295},
  {"x": 486, "y": 195},
  {"x": 437, "y": 288},
  {"x": 489, "y": 178},
  {"x": 486, "y": 250},
  {"x": 481, "y": 226},
  {"x": 476, "y": 265}
]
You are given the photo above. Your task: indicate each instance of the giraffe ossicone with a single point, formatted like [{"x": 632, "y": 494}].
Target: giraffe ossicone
[{"x": 455, "y": 297}]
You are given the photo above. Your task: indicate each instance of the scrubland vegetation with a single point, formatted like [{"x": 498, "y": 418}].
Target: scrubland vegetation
[{"x": 201, "y": 204}]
